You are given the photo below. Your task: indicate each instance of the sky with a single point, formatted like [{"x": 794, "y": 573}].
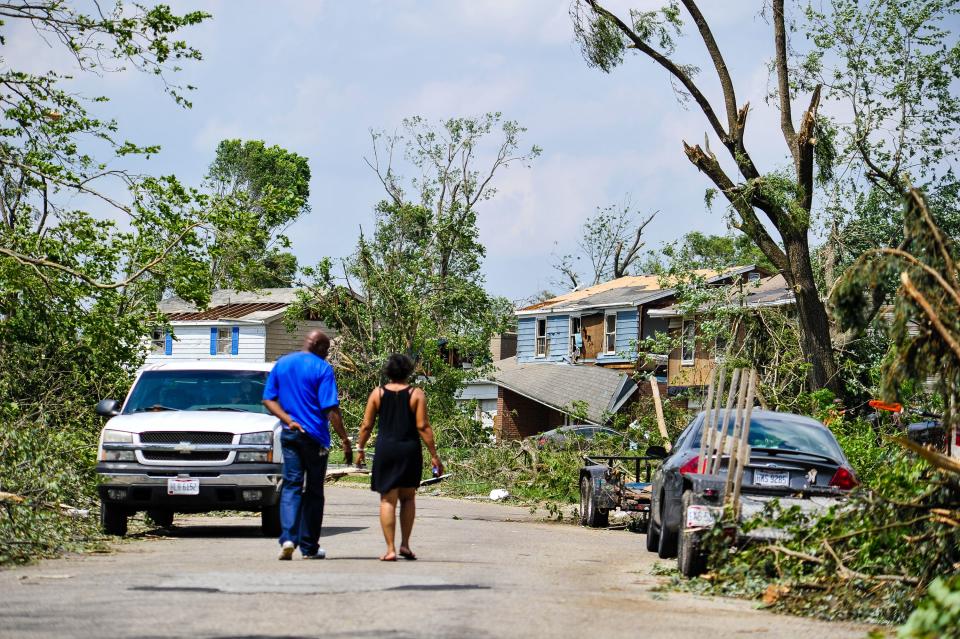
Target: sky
[{"x": 315, "y": 76}]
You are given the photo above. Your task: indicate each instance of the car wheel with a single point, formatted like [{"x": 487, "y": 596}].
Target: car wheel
[
  {"x": 584, "y": 499},
  {"x": 596, "y": 517},
  {"x": 113, "y": 519},
  {"x": 653, "y": 536},
  {"x": 270, "y": 521},
  {"x": 161, "y": 518},
  {"x": 690, "y": 559},
  {"x": 667, "y": 544}
]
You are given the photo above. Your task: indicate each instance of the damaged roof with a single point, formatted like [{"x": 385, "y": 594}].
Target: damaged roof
[
  {"x": 260, "y": 305},
  {"x": 769, "y": 291},
  {"x": 631, "y": 290},
  {"x": 559, "y": 386}
]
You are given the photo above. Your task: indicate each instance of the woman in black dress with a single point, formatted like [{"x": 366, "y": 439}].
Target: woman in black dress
[{"x": 398, "y": 462}]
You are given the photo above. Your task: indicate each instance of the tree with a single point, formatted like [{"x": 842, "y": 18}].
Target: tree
[
  {"x": 697, "y": 250},
  {"x": 77, "y": 289},
  {"x": 884, "y": 71},
  {"x": 784, "y": 198},
  {"x": 256, "y": 192},
  {"x": 892, "y": 68},
  {"x": 926, "y": 326},
  {"x": 414, "y": 285},
  {"x": 610, "y": 243}
]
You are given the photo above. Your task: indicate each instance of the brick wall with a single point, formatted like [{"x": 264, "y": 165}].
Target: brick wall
[{"x": 519, "y": 417}]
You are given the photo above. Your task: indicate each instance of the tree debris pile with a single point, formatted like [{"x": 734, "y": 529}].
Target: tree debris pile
[{"x": 872, "y": 559}]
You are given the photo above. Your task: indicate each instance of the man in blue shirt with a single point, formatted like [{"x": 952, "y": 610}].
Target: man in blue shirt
[{"x": 302, "y": 392}]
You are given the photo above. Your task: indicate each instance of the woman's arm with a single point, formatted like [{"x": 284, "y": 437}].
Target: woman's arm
[
  {"x": 366, "y": 428},
  {"x": 419, "y": 401}
]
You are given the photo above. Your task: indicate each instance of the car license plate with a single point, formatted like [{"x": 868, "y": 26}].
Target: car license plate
[
  {"x": 178, "y": 486},
  {"x": 768, "y": 478},
  {"x": 700, "y": 517}
]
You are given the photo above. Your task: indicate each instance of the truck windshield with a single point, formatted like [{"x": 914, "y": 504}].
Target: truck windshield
[{"x": 198, "y": 390}]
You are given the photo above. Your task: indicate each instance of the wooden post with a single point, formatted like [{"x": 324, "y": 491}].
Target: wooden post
[
  {"x": 715, "y": 463},
  {"x": 706, "y": 434},
  {"x": 735, "y": 439},
  {"x": 714, "y": 434},
  {"x": 744, "y": 449},
  {"x": 661, "y": 422}
]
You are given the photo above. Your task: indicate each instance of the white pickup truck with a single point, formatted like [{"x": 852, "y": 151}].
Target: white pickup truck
[{"x": 190, "y": 437}]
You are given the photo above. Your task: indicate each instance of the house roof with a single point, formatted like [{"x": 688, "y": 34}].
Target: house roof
[
  {"x": 631, "y": 290},
  {"x": 770, "y": 291},
  {"x": 262, "y": 305},
  {"x": 559, "y": 386}
]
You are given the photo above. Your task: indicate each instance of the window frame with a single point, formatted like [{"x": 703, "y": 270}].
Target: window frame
[
  {"x": 607, "y": 334},
  {"x": 685, "y": 361},
  {"x": 158, "y": 340},
  {"x": 224, "y": 340},
  {"x": 573, "y": 344},
  {"x": 540, "y": 338}
]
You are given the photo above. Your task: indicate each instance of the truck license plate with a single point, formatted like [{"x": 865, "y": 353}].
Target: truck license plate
[
  {"x": 176, "y": 486},
  {"x": 768, "y": 478}
]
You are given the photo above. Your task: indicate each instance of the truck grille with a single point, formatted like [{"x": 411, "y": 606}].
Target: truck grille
[
  {"x": 164, "y": 455},
  {"x": 190, "y": 437},
  {"x": 175, "y": 437}
]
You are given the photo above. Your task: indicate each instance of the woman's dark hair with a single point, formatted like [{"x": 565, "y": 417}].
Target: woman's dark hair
[{"x": 398, "y": 368}]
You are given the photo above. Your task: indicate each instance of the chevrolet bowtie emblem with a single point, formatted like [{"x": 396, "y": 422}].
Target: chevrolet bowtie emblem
[{"x": 184, "y": 448}]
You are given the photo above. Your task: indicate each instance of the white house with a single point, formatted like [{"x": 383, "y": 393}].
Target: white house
[{"x": 237, "y": 326}]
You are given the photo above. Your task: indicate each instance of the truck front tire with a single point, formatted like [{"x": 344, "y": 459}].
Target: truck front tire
[{"x": 113, "y": 519}]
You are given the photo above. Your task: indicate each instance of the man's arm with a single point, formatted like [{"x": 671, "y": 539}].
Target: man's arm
[
  {"x": 336, "y": 422},
  {"x": 277, "y": 411}
]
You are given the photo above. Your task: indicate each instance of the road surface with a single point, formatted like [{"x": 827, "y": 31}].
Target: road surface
[{"x": 485, "y": 570}]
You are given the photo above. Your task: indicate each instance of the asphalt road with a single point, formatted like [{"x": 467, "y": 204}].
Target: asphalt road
[{"x": 485, "y": 570}]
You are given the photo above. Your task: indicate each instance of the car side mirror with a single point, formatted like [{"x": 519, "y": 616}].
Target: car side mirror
[
  {"x": 657, "y": 452},
  {"x": 108, "y": 408}
]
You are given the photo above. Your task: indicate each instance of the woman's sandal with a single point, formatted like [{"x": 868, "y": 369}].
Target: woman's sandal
[
  {"x": 384, "y": 557},
  {"x": 408, "y": 554}
]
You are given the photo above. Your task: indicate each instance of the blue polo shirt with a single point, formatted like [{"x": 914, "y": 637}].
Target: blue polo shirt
[{"x": 304, "y": 385}]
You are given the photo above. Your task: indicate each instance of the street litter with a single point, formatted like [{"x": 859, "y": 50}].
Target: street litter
[{"x": 499, "y": 494}]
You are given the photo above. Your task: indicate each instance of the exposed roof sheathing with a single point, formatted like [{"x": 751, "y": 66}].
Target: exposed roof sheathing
[
  {"x": 228, "y": 311},
  {"x": 628, "y": 290}
]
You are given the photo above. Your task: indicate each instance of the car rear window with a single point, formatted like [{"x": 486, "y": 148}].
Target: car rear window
[
  {"x": 198, "y": 390},
  {"x": 784, "y": 433}
]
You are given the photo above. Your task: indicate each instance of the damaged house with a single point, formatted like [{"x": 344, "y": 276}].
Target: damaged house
[{"x": 577, "y": 354}]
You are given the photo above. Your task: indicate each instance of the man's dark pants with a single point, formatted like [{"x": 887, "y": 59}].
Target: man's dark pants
[{"x": 301, "y": 503}]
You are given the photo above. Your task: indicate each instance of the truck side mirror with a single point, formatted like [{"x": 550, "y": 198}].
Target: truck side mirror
[
  {"x": 657, "y": 452},
  {"x": 108, "y": 408}
]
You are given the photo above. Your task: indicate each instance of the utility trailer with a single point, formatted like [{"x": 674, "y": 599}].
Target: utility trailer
[{"x": 605, "y": 485}]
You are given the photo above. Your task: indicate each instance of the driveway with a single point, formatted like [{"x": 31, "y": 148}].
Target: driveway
[{"x": 485, "y": 570}]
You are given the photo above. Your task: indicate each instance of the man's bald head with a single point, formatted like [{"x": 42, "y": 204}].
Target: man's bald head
[{"x": 317, "y": 343}]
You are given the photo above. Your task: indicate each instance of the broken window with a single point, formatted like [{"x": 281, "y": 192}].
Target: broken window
[
  {"x": 158, "y": 340},
  {"x": 576, "y": 337},
  {"x": 542, "y": 341},
  {"x": 688, "y": 342},
  {"x": 610, "y": 333}
]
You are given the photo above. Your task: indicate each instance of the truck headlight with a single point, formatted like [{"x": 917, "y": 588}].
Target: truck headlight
[
  {"x": 263, "y": 438},
  {"x": 117, "y": 437}
]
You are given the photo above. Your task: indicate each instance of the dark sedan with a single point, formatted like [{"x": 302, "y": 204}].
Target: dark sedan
[
  {"x": 790, "y": 454},
  {"x": 577, "y": 434}
]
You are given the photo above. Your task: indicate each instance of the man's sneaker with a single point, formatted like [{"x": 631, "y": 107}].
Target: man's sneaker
[
  {"x": 286, "y": 551},
  {"x": 320, "y": 554}
]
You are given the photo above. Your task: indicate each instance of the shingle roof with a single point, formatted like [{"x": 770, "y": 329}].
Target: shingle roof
[
  {"x": 560, "y": 385},
  {"x": 769, "y": 291},
  {"x": 228, "y": 303}
]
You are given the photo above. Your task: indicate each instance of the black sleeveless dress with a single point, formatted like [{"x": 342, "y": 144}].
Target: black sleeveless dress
[{"x": 397, "y": 459}]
